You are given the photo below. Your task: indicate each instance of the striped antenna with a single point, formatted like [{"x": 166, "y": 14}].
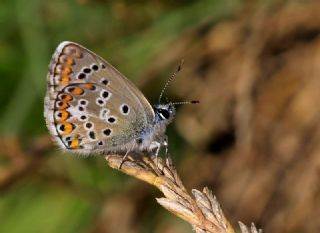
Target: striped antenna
[
  {"x": 170, "y": 79},
  {"x": 186, "y": 102}
]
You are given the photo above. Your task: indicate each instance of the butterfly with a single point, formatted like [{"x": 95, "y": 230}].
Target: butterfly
[{"x": 91, "y": 108}]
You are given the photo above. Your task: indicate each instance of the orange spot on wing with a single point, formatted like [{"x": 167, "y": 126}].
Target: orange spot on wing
[
  {"x": 70, "y": 61},
  {"x": 67, "y": 70},
  {"x": 64, "y": 115},
  {"x": 68, "y": 127},
  {"x": 64, "y": 105},
  {"x": 66, "y": 97},
  {"x": 77, "y": 91},
  {"x": 65, "y": 79},
  {"x": 75, "y": 143}
]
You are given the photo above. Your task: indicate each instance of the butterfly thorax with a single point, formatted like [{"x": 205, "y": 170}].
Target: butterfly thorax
[{"x": 164, "y": 114}]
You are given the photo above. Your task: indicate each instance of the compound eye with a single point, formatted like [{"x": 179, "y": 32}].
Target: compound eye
[{"x": 164, "y": 114}]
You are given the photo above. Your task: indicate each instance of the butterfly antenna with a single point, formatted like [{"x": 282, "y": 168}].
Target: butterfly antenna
[
  {"x": 170, "y": 79},
  {"x": 186, "y": 102}
]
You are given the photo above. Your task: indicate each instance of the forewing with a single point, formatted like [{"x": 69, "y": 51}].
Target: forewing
[{"x": 90, "y": 106}]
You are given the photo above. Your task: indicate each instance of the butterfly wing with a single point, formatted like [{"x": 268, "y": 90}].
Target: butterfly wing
[{"x": 90, "y": 106}]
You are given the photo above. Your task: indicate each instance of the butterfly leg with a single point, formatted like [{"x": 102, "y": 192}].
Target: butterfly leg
[
  {"x": 166, "y": 145},
  {"x": 155, "y": 146},
  {"x": 124, "y": 159}
]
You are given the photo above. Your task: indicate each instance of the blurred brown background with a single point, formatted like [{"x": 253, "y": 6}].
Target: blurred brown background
[{"x": 254, "y": 139}]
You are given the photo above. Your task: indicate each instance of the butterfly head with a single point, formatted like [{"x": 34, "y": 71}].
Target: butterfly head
[{"x": 164, "y": 112}]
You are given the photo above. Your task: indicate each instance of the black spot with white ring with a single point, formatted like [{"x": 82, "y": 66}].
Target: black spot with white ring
[
  {"x": 82, "y": 76},
  {"x": 107, "y": 132},
  {"x": 92, "y": 135},
  {"x": 69, "y": 143},
  {"x": 100, "y": 101},
  {"x": 88, "y": 125},
  {"x": 62, "y": 96},
  {"x": 71, "y": 89},
  {"x": 87, "y": 70},
  {"x": 104, "y": 81},
  {"x": 83, "y": 117},
  {"x": 62, "y": 128},
  {"x": 124, "y": 109},
  {"x": 95, "y": 67},
  {"x": 59, "y": 103},
  {"x": 104, "y": 94},
  {"x": 58, "y": 114},
  {"x": 112, "y": 120},
  {"x": 83, "y": 102}
]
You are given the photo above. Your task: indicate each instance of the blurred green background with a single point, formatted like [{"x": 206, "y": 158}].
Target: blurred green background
[
  {"x": 45, "y": 190},
  {"x": 68, "y": 194}
]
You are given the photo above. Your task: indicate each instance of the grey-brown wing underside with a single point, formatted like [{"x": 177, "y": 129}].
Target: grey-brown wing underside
[{"x": 90, "y": 106}]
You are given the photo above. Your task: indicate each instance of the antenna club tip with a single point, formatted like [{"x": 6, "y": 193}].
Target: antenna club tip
[
  {"x": 180, "y": 65},
  {"x": 195, "y": 102}
]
